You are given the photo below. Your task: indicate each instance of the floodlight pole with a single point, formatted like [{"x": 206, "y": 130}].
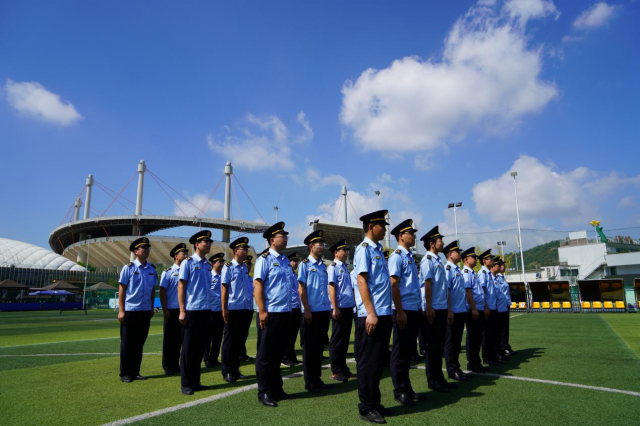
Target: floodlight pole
[
  {"x": 515, "y": 189},
  {"x": 86, "y": 272}
]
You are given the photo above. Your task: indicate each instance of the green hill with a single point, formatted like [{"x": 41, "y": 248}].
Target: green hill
[{"x": 535, "y": 257}]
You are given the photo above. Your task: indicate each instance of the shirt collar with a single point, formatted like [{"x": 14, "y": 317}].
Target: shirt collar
[
  {"x": 370, "y": 242},
  {"x": 452, "y": 264},
  {"x": 404, "y": 250},
  {"x": 484, "y": 268},
  {"x": 234, "y": 262},
  {"x": 137, "y": 263},
  {"x": 196, "y": 257},
  {"x": 312, "y": 260},
  {"x": 337, "y": 262},
  {"x": 273, "y": 252}
]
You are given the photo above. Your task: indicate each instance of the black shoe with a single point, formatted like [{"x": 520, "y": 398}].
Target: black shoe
[
  {"x": 169, "y": 372},
  {"x": 283, "y": 395},
  {"x": 466, "y": 376},
  {"x": 126, "y": 379},
  {"x": 449, "y": 385},
  {"x": 417, "y": 397},
  {"x": 423, "y": 352},
  {"x": 459, "y": 376},
  {"x": 267, "y": 401},
  {"x": 502, "y": 358},
  {"x": 239, "y": 376},
  {"x": 139, "y": 377},
  {"x": 416, "y": 357},
  {"x": 313, "y": 388},
  {"x": 323, "y": 385},
  {"x": 475, "y": 368},
  {"x": 296, "y": 362},
  {"x": 245, "y": 358},
  {"x": 287, "y": 364},
  {"x": 212, "y": 364},
  {"x": 372, "y": 416},
  {"x": 199, "y": 387},
  {"x": 186, "y": 390},
  {"x": 339, "y": 377},
  {"x": 229, "y": 378},
  {"x": 493, "y": 363},
  {"x": 438, "y": 387},
  {"x": 405, "y": 399},
  {"x": 383, "y": 411}
]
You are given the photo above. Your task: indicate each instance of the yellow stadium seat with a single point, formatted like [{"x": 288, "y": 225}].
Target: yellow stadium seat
[
  {"x": 555, "y": 305},
  {"x": 514, "y": 305},
  {"x": 597, "y": 305},
  {"x": 586, "y": 305},
  {"x": 536, "y": 305},
  {"x": 565, "y": 286},
  {"x": 619, "y": 304},
  {"x": 555, "y": 286},
  {"x": 523, "y": 305},
  {"x": 615, "y": 285},
  {"x": 566, "y": 305},
  {"x": 545, "y": 305},
  {"x": 608, "y": 305}
]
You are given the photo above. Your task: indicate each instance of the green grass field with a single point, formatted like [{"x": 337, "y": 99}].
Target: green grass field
[{"x": 57, "y": 370}]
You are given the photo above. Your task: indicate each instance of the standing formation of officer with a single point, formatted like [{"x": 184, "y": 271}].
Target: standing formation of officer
[
  {"x": 216, "y": 322},
  {"x": 289, "y": 359},
  {"x": 172, "y": 332},
  {"x": 457, "y": 300}
]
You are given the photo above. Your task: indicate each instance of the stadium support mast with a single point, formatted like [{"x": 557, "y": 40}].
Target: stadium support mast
[
  {"x": 142, "y": 167},
  {"x": 87, "y": 199},
  {"x": 228, "y": 171},
  {"x": 344, "y": 202},
  {"x": 77, "y": 204}
]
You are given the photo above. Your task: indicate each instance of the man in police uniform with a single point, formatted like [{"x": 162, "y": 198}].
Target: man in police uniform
[
  {"x": 373, "y": 325},
  {"x": 136, "y": 295},
  {"x": 405, "y": 289},
  {"x": 342, "y": 302},
  {"x": 438, "y": 309},
  {"x": 172, "y": 336},
  {"x": 289, "y": 358},
  {"x": 195, "y": 310},
  {"x": 314, "y": 297},
  {"x": 486, "y": 282},
  {"x": 502, "y": 307},
  {"x": 272, "y": 292},
  {"x": 216, "y": 323},
  {"x": 243, "y": 356},
  {"x": 504, "y": 338},
  {"x": 477, "y": 311},
  {"x": 457, "y": 301},
  {"x": 237, "y": 309}
]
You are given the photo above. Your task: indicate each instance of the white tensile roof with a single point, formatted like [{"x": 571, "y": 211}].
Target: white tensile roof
[{"x": 25, "y": 255}]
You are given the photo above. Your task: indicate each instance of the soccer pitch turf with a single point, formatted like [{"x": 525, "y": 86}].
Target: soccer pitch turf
[{"x": 570, "y": 368}]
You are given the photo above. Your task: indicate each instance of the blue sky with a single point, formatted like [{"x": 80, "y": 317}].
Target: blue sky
[{"x": 428, "y": 102}]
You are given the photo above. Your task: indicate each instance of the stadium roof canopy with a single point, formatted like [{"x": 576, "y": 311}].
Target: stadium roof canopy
[{"x": 24, "y": 255}]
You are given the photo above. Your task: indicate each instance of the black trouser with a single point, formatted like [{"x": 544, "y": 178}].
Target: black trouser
[
  {"x": 301, "y": 323},
  {"x": 315, "y": 335},
  {"x": 501, "y": 323},
  {"x": 290, "y": 350},
  {"x": 504, "y": 337},
  {"x": 133, "y": 333},
  {"x": 194, "y": 340},
  {"x": 489, "y": 337},
  {"x": 436, "y": 335},
  {"x": 339, "y": 343},
  {"x": 404, "y": 346},
  {"x": 422, "y": 335},
  {"x": 453, "y": 342},
  {"x": 474, "y": 338},
  {"x": 235, "y": 337},
  {"x": 271, "y": 343},
  {"x": 212, "y": 347},
  {"x": 172, "y": 342},
  {"x": 372, "y": 351}
]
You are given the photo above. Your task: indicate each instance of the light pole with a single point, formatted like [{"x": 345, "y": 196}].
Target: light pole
[
  {"x": 378, "y": 194},
  {"x": 276, "y": 209},
  {"x": 86, "y": 273},
  {"x": 501, "y": 245},
  {"x": 515, "y": 190},
  {"x": 455, "y": 207}
]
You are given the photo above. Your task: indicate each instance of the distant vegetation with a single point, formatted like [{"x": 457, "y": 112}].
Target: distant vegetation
[{"x": 535, "y": 257}]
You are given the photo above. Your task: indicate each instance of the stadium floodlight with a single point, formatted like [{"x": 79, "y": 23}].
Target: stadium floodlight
[
  {"x": 276, "y": 209},
  {"x": 86, "y": 272},
  {"x": 455, "y": 206},
  {"x": 515, "y": 190}
]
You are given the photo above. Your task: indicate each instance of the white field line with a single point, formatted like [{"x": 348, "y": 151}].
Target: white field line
[
  {"x": 549, "y": 382},
  {"x": 74, "y": 354}
]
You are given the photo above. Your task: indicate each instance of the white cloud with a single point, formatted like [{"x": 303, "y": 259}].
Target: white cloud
[
  {"x": 627, "y": 202},
  {"x": 572, "y": 197},
  {"x": 313, "y": 179},
  {"x": 596, "y": 16},
  {"x": 197, "y": 202},
  {"x": 32, "y": 99},
  {"x": 260, "y": 142},
  {"x": 488, "y": 79}
]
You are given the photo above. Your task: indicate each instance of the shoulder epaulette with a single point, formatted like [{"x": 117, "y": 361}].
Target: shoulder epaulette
[
  {"x": 483, "y": 271},
  {"x": 448, "y": 267},
  {"x": 428, "y": 256},
  {"x": 265, "y": 254},
  {"x": 228, "y": 263},
  {"x": 365, "y": 244},
  {"x": 152, "y": 265},
  {"x": 333, "y": 263},
  {"x": 305, "y": 260},
  {"x": 129, "y": 264},
  {"x": 188, "y": 258},
  {"x": 398, "y": 251}
]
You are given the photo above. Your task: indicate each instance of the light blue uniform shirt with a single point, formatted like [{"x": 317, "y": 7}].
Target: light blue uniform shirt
[
  {"x": 486, "y": 282},
  {"x": 507, "y": 289},
  {"x": 215, "y": 299},
  {"x": 313, "y": 275},
  {"x": 295, "y": 295},
  {"x": 139, "y": 282},
  {"x": 235, "y": 277},
  {"x": 403, "y": 265},
  {"x": 169, "y": 281},
  {"x": 340, "y": 277},
  {"x": 503, "y": 301},
  {"x": 455, "y": 285},
  {"x": 431, "y": 267},
  {"x": 197, "y": 274},
  {"x": 273, "y": 270},
  {"x": 471, "y": 282},
  {"x": 369, "y": 259}
]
